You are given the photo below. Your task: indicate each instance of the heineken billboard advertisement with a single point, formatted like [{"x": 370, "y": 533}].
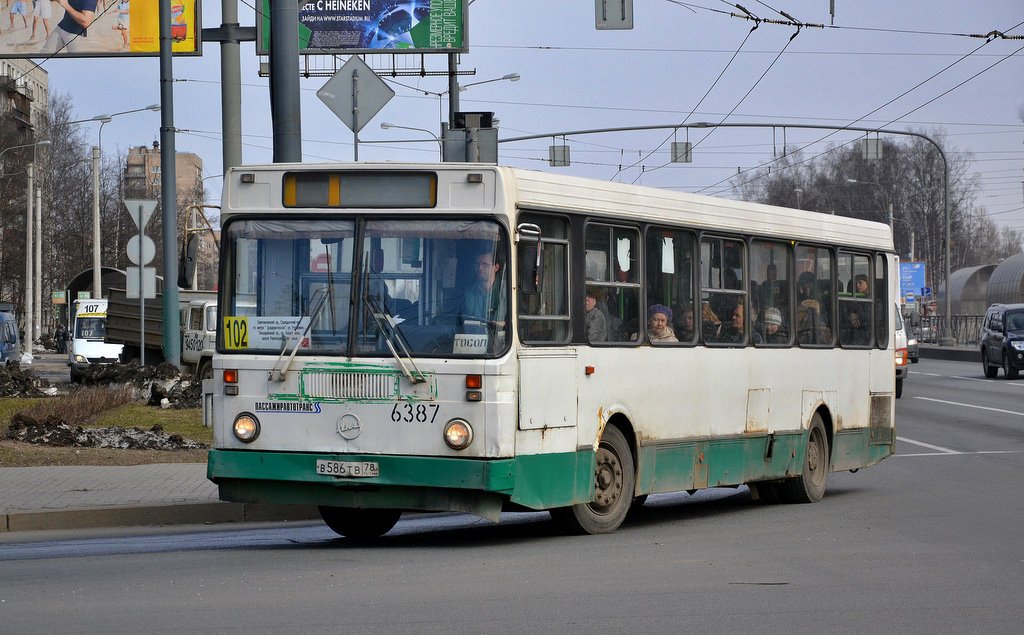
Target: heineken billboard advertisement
[{"x": 346, "y": 27}]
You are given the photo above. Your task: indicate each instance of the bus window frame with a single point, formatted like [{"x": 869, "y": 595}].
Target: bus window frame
[
  {"x": 742, "y": 293},
  {"x": 693, "y": 302},
  {"x": 640, "y": 335}
]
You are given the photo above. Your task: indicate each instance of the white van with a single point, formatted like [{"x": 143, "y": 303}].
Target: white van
[
  {"x": 902, "y": 370},
  {"x": 85, "y": 341}
]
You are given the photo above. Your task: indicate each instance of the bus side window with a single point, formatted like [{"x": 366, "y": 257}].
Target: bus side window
[{"x": 669, "y": 281}]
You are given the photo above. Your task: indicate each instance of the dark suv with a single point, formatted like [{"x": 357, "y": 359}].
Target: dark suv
[{"x": 1002, "y": 340}]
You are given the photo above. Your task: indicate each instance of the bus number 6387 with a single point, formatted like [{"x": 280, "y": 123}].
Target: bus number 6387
[{"x": 410, "y": 412}]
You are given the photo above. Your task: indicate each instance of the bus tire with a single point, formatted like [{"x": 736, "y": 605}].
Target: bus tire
[
  {"x": 205, "y": 370},
  {"x": 899, "y": 388},
  {"x": 360, "y": 524},
  {"x": 809, "y": 487},
  {"x": 614, "y": 481}
]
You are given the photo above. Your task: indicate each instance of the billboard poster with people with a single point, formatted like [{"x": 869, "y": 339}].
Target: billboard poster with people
[{"x": 96, "y": 28}]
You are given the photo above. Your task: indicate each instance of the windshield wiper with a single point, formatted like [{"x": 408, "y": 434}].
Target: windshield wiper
[
  {"x": 386, "y": 325},
  {"x": 317, "y": 304}
]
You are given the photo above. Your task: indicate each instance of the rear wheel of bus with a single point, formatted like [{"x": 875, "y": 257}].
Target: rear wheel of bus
[
  {"x": 360, "y": 524},
  {"x": 614, "y": 480},
  {"x": 809, "y": 487}
]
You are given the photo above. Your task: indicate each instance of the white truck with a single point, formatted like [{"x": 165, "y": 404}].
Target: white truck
[
  {"x": 199, "y": 336},
  {"x": 86, "y": 343}
]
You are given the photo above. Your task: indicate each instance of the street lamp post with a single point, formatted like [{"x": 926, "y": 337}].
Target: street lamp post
[
  {"x": 455, "y": 88},
  {"x": 440, "y": 144},
  {"x": 885, "y": 193},
  {"x": 26, "y": 344},
  {"x": 96, "y": 155}
]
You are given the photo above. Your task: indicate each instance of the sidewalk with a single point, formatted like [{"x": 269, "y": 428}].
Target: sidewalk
[{"x": 36, "y": 498}]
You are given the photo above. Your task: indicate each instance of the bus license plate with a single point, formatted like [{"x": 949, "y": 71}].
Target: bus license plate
[{"x": 348, "y": 468}]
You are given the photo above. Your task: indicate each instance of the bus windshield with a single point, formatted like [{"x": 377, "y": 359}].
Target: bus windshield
[
  {"x": 381, "y": 287},
  {"x": 90, "y": 328}
]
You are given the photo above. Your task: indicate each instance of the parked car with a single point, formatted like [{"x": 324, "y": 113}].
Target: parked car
[
  {"x": 1002, "y": 340},
  {"x": 902, "y": 369}
]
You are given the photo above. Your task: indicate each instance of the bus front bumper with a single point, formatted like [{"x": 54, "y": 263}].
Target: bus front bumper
[{"x": 477, "y": 486}]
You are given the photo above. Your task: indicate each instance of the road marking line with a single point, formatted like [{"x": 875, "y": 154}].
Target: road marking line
[
  {"x": 987, "y": 381},
  {"x": 967, "y": 405},
  {"x": 961, "y": 453},
  {"x": 928, "y": 445}
]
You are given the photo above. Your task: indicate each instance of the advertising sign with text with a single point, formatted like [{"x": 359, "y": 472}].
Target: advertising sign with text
[
  {"x": 97, "y": 28},
  {"x": 344, "y": 27}
]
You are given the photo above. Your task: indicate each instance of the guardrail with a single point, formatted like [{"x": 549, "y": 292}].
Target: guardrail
[{"x": 964, "y": 329}]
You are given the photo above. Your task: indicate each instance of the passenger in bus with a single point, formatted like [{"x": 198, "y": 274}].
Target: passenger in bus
[
  {"x": 484, "y": 301},
  {"x": 710, "y": 322},
  {"x": 860, "y": 285},
  {"x": 683, "y": 324},
  {"x": 597, "y": 325},
  {"x": 810, "y": 328},
  {"x": 773, "y": 331},
  {"x": 805, "y": 287},
  {"x": 855, "y": 330},
  {"x": 734, "y": 331},
  {"x": 770, "y": 292},
  {"x": 659, "y": 317}
]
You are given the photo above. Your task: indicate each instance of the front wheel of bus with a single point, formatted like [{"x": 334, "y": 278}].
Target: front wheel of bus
[
  {"x": 809, "y": 487},
  {"x": 360, "y": 524},
  {"x": 614, "y": 479}
]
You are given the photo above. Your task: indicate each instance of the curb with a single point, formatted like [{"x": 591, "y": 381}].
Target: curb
[
  {"x": 950, "y": 353},
  {"x": 155, "y": 515}
]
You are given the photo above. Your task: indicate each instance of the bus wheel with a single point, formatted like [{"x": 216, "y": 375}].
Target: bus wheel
[
  {"x": 205, "y": 370},
  {"x": 614, "y": 479},
  {"x": 360, "y": 524},
  {"x": 809, "y": 487}
]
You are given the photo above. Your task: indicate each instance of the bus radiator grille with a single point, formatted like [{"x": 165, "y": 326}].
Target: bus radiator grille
[{"x": 320, "y": 385}]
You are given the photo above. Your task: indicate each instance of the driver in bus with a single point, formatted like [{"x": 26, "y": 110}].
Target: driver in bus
[{"x": 485, "y": 301}]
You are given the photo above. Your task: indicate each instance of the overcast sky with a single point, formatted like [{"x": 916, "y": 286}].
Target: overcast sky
[{"x": 878, "y": 63}]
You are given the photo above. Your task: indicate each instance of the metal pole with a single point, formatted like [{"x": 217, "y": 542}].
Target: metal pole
[
  {"x": 355, "y": 114},
  {"x": 38, "y": 308},
  {"x": 26, "y": 344},
  {"x": 453, "y": 87},
  {"x": 284, "y": 81},
  {"x": 97, "y": 291},
  {"x": 142, "y": 293},
  {"x": 168, "y": 194},
  {"x": 230, "y": 89}
]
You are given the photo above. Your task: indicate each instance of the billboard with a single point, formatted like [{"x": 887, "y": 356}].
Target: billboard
[
  {"x": 119, "y": 28},
  {"x": 346, "y": 27}
]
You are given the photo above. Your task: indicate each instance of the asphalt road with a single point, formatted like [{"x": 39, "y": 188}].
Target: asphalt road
[{"x": 929, "y": 541}]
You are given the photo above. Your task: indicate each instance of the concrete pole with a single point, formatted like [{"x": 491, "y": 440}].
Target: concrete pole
[
  {"x": 230, "y": 90},
  {"x": 169, "y": 194},
  {"x": 97, "y": 291},
  {"x": 38, "y": 309},
  {"x": 26, "y": 344}
]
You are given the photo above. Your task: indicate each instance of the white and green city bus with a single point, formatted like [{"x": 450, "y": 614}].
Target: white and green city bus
[{"x": 475, "y": 338}]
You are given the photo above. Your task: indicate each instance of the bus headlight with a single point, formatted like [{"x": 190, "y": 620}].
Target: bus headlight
[
  {"x": 246, "y": 427},
  {"x": 458, "y": 434},
  {"x": 81, "y": 359}
]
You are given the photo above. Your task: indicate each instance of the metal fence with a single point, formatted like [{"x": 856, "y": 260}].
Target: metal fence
[{"x": 964, "y": 329}]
